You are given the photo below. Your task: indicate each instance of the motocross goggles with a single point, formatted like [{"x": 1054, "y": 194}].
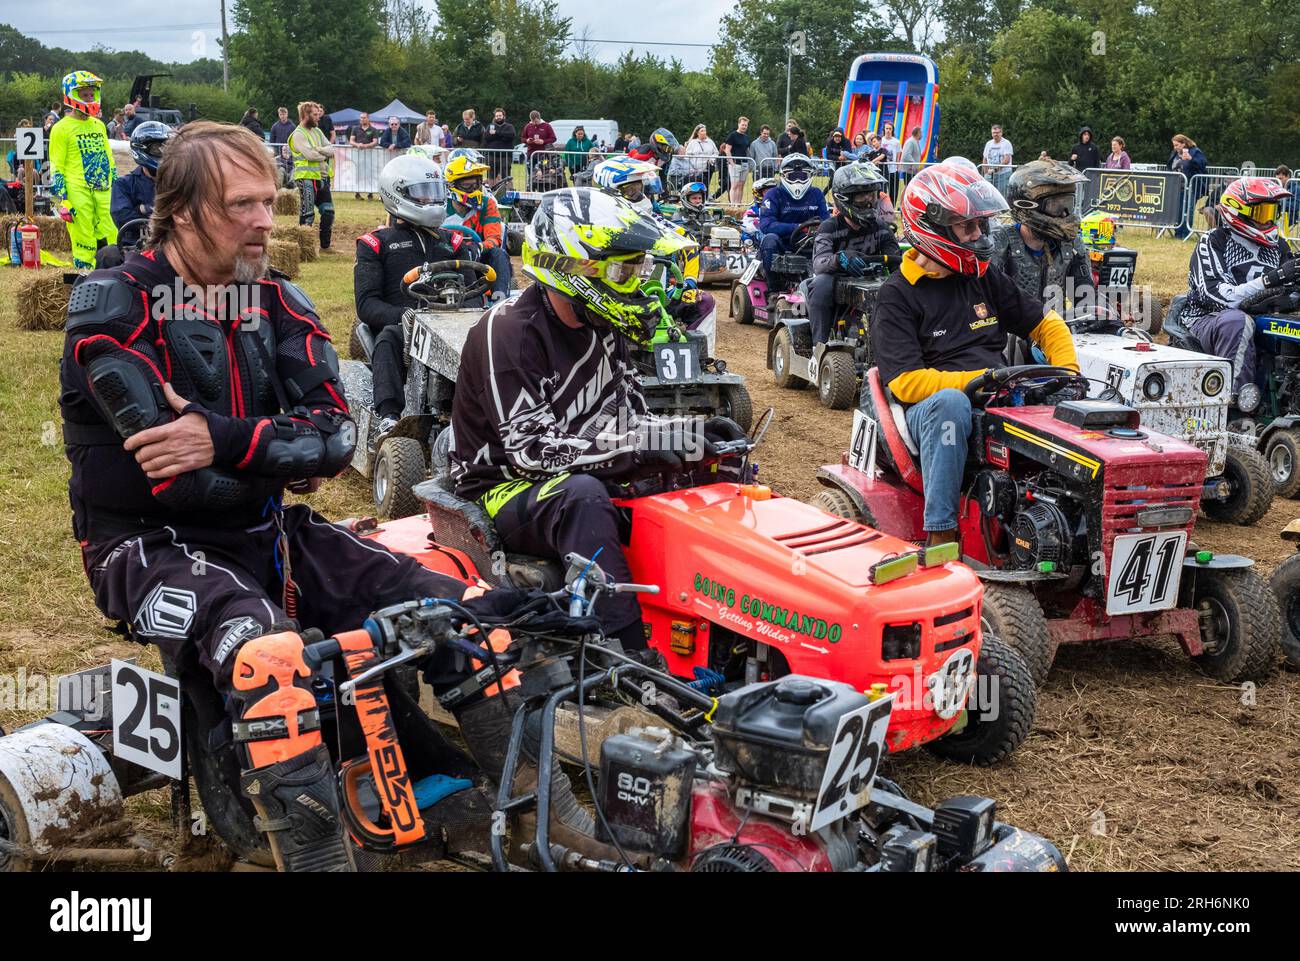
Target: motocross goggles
[
  {"x": 797, "y": 175},
  {"x": 624, "y": 273}
]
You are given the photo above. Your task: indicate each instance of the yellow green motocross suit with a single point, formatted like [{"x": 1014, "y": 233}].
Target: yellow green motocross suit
[{"x": 83, "y": 168}]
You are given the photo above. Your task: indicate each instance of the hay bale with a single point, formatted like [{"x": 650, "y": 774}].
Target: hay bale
[
  {"x": 42, "y": 300},
  {"x": 305, "y": 236},
  {"x": 54, "y": 232},
  {"x": 285, "y": 257},
  {"x": 286, "y": 202}
]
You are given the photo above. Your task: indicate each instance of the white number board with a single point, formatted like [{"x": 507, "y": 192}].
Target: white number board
[{"x": 146, "y": 718}]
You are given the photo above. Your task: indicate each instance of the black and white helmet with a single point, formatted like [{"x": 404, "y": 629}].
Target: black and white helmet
[
  {"x": 796, "y": 174},
  {"x": 412, "y": 189}
]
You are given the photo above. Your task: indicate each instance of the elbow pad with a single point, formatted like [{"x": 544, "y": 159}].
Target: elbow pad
[{"x": 318, "y": 444}]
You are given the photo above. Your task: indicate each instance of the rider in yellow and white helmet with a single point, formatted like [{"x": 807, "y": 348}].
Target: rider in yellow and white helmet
[{"x": 476, "y": 209}]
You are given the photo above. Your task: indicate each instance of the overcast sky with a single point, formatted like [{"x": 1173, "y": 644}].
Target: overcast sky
[{"x": 177, "y": 30}]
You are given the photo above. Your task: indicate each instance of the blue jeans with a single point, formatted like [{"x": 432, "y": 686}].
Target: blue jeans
[
  {"x": 941, "y": 425},
  {"x": 499, "y": 260}
]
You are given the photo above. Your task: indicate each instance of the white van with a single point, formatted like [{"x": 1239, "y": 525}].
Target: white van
[{"x": 597, "y": 130}]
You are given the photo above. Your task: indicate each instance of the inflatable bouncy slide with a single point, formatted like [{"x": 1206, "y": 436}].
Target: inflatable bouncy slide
[{"x": 897, "y": 88}]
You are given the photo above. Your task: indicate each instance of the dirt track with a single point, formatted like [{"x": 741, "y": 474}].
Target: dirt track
[{"x": 1137, "y": 761}]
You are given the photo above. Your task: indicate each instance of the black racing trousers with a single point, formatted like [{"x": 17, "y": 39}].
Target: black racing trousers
[
  {"x": 388, "y": 371},
  {"x": 573, "y": 513},
  {"x": 201, "y": 592}
]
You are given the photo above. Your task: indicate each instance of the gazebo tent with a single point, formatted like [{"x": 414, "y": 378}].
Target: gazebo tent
[
  {"x": 346, "y": 117},
  {"x": 398, "y": 109}
]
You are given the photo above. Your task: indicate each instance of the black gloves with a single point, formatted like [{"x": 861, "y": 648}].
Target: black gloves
[
  {"x": 1283, "y": 276},
  {"x": 721, "y": 430}
]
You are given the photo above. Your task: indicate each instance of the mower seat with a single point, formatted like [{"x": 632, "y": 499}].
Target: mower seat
[
  {"x": 464, "y": 526},
  {"x": 896, "y": 440},
  {"x": 1179, "y": 335}
]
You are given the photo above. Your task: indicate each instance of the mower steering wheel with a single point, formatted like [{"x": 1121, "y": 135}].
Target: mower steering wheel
[
  {"x": 804, "y": 233},
  {"x": 442, "y": 284},
  {"x": 1000, "y": 381},
  {"x": 141, "y": 227},
  {"x": 1284, "y": 301}
]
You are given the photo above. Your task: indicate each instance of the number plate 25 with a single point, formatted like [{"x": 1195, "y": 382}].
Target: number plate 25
[
  {"x": 146, "y": 718},
  {"x": 1145, "y": 570},
  {"x": 855, "y": 756},
  {"x": 677, "y": 362}
]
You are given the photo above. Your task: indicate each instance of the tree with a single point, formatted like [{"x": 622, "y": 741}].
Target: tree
[{"x": 324, "y": 50}]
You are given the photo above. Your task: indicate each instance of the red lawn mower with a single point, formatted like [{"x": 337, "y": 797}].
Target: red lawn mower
[{"x": 1078, "y": 521}]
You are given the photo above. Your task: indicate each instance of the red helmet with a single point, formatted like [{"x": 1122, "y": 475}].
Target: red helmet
[
  {"x": 943, "y": 195},
  {"x": 1249, "y": 208}
]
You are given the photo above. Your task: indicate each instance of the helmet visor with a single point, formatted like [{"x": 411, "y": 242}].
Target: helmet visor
[
  {"x": 797, "y": 175},
  {"x": 469, "y": 185},
  {"x": 1264, "y": 213},
  {"x": 426, "y": 192},
  {"x": 974, "y": 201},
  {"x": 1057, "y": 205},
  {"x": 625, "y": 274}
]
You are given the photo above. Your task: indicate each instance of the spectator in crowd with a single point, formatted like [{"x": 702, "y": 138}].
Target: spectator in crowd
[
  {"x": 116, "y": 126},
  {"x": 469, "y": 132},
  {"x": 282, "y": 127},
  {"x": 55, "y": 112},
  {"x": 395, "y": 138},
  {"x": 1085, "y": 154},
  {"x": 761, "y": 150},
  {"x": 909, "y": 161},
  {"x": 736, "y": 146},
  {"x": 700, "y": 150},
  {"x": 538, "y": 134},
  {"x": 326, "y": 127},
  {"x": 892, "y": 151},
  {"x": 131, "y": 121},
  {"x": 835, "y": 146},
  {"x": 365, "y": 136},
  {"x": 500, "y": 140},
  {"x": 633, "y": 141},
  {"x": 1189, "y": 160},
  {"x": 312, "y": 157},
  {"x": 799, "y": 142},
  {"x": 784, "y": 141},
  {"x": 1118, "y": 158},
  {"x": 620, "y": 143},
  {"x": 576, "y": 149},
  {"x": 429, "y": 132},
  {"x": 251, "y": 121},
  {"x": 998, "y": 155},
  {"x": 447, "y": 139},
  {"x": 874, "y": 152},
  {"x": 1290, "y": 207}
]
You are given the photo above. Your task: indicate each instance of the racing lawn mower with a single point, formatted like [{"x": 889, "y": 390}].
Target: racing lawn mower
[
  {"x": 833, "y": 367},
  {"x": 1286, "y": 587},
  {"x": 1268, "y": 417},
  {"x": 775, "y": 776},
  {"x": 1183, "y": 394},
  {"x": 397, "y": 461},
  {"x": 756, "y": 297},
  {"x": 1078, "y": 521},
  {"x": 754, "y": 587},
  {"x": 724, "y": 255}
]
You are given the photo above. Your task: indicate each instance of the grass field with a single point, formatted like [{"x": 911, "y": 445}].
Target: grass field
[{"x": 1184, "y": 776}]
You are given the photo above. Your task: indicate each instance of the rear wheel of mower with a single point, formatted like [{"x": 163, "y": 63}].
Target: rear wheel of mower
[
  {"x": 1014, "y": 615},
  {"x": 837, "y": 381},
  {"x": 399, "y": 467},
  {"x": 737, "y": 405},
  {"x": 1251, "y": 488},
  {"x": 13, "y": 828},
  {"x": 783, "y": 360},
  {"x": 742, "y": 308},
  {"x": 834, "y": 501},
  {"x": 1283, "y": 456},
  {"x": 1240, "y": 625},
  {"x": 1286, "y": 588},
  {"x": 355, "y": 350},
  {"x": 994, "y": 730}
]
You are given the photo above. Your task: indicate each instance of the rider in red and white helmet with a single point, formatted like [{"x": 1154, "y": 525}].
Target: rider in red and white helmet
[
  {"x": 943, "y": 319},
  {"x": 1236, "y": 262},
  {"x": 946, "y": 212}
]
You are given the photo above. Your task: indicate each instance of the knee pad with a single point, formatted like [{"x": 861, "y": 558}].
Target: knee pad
[{"x": 276, "y": 715}]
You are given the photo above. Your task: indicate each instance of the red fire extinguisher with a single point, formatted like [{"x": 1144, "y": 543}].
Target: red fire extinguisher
[{"x": 31, "y": 245}]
